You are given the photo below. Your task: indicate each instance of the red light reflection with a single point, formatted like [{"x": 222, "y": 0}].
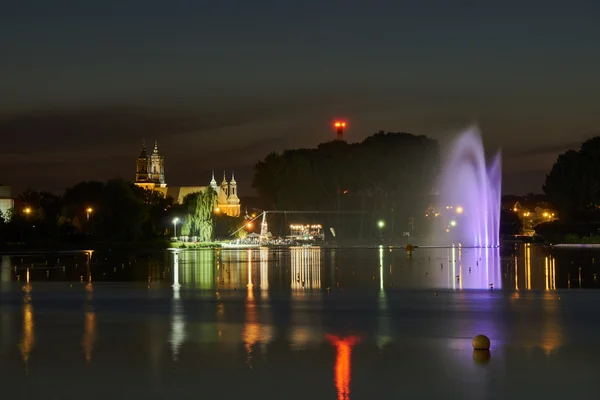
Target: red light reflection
[{"x": 343, "y": 366}]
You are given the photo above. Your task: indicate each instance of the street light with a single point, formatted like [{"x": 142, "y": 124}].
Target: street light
[
  {"x": 459, "y": 210},
  {"x": 381, "y": 225},
  {"x": 88, "y": 211},
  {"x": 27, "y": 210},
  {"x": 175, "y": 221}
]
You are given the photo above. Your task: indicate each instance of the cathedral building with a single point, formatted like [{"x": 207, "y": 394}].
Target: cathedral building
[{"x": 150, "y": 174}]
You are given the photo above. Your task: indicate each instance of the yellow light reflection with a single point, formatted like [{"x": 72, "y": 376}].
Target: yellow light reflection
[
  {"x": 516, "y": 273},
  {"x": 550, "y": 272},
  {"x": 89, "y": 333},
  {"x": 28, "y": 338},
  {"x": 89, "y": 328},
  {"x": 528, "y": 266},
  {"x": 547, "y": 278},
  {"x": 251, "y": 332},
  {"x": 343, "y": 364},
  {"x": 553, "y": 273},
  {"x": 552, "y": 336}
]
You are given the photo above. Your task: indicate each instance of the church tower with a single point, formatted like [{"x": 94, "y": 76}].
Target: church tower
[
  {"x": 141, "y": 166},
  {"x": 233, "y": 197},
  {"x": 224, "y": 191},
  {"x": 156, "y": 171}
]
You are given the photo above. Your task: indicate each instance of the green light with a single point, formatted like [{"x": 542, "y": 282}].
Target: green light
[{"x": 381, "y": 223}]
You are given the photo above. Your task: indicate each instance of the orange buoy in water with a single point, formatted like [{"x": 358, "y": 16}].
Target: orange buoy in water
[{"x": 481, "y": 342}]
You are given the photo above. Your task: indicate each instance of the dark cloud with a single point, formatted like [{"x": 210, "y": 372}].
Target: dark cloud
[
  {"x": 523, "y": 182},
  {"x": 546, "y": 149},
  {"x": 66, "y": 129}
]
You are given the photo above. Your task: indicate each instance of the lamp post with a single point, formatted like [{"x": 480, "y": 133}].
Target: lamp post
[
  {"x": 88, "y": 212},
  {"x": 27, "y": 210},
  {"x": 175, "y": 221}
]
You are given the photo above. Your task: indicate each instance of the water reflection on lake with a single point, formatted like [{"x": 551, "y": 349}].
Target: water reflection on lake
[
  {"x": 306, "y": 322},
  {"x": 520, "y": 267}
]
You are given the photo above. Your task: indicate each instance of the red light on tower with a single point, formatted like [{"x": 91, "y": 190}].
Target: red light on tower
[{"x": 339, "y": 127}]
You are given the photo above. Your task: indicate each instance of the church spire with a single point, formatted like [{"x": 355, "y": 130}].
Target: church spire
[
  {"x": 232, "y": 197},
  {"x": 143, "y": 153},
  {"x": 156, "y": 147},
  {"x": 213, "y": 183}
]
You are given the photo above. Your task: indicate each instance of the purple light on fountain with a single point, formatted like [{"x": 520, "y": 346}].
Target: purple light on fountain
[{"x": 470, "y": 188}]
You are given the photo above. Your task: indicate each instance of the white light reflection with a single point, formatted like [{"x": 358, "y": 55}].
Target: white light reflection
[
  {"x": 453, "y": 263},
  {"x": 305, "y": 274},
  {"x": 177, "y": 334},
  {"x": 5, "y": 317},
  {"x": 306, "y": 267},
  {"x": 5, "y": 320},
  {"x": 383, "y": 334},
  {"x": 4, "y": 272},
  {"x": 264, "y": 270}
]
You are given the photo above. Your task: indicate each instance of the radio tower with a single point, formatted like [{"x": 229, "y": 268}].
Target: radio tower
[{"x": 339, "y": 128}]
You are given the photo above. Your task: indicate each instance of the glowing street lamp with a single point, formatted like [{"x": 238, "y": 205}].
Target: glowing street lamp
[
  {"x": 88, "y": 211},
  {"x": 175, "y": 221},
  {"x": 27, "y": 210},
  {"x": 459, "y": 210},
  {"x": 381, "y": 225},
  {"x": 452, "y": 223},
  {"x": 249, "y": 225}
]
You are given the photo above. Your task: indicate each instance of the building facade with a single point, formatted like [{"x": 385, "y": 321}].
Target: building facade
[{"x": 150, "y": 174}]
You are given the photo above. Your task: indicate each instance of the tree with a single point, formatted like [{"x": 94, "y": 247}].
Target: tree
[
  {"x": 510, "y": 223},
  {"x": 36, "y": 217},
  {"x": 123, "y": 211},
  {"x": 573, "y": 184},
  {"x": 159, "y": 208},
  {"x": 199, "y": 208}
]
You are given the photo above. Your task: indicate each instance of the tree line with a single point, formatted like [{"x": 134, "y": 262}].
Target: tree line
[
  {"x": 115, "y": 212},
  {"x": 388, "y": 176},
  {"x": 573, "y": 187}
]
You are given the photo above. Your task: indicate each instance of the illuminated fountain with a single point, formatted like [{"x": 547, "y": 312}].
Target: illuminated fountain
[{"x": 470, "y": 194}]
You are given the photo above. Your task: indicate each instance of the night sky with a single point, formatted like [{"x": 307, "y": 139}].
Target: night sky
[{"x": 221, "y": 84}]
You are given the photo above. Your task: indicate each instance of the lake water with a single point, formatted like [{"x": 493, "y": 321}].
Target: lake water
[{"x": 301, "y": 323}]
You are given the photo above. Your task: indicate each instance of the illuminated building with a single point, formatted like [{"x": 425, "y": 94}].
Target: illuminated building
[{"x": 150, "y": 174}]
